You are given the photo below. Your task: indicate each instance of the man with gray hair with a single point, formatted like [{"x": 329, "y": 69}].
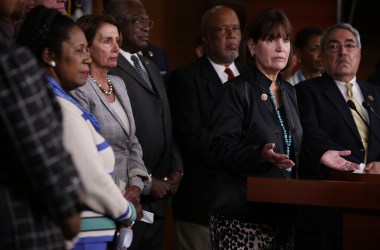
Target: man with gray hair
[{"x": 339, "y": 131}]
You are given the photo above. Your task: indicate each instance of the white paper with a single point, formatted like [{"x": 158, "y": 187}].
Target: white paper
[
  {"x": 360, "y": 170},
  {"x": 126, "y": 234},
  {"x": 148, "y": 217},
  {"x": 125, "y": 238}
]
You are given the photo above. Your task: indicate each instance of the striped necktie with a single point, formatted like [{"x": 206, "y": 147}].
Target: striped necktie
[
  {"x": 362, "y": 127},
  {"x": 141, "y": 71}
]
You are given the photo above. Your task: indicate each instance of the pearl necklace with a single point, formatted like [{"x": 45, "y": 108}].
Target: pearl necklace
[
  {"x": 110, "y": 87},
  {"x": 287, "y": 134}
]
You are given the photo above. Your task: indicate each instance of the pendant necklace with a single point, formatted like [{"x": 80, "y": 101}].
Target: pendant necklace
[{"x": 287, "y": 135}]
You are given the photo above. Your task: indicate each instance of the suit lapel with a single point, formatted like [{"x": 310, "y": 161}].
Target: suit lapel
[
  {"x": 107, "y": 105},
  {"x": 334, "y": 95},
  {"x": 122, "y": 96},
  {"x": 147, "y": 64},
  {"x": 374, "y": 122},
  {"x": 129, "y": 69},
  {"x": 210, "y": 77}
]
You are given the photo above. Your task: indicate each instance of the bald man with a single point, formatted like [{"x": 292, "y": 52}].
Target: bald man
[{"x": 192, "y": 90}]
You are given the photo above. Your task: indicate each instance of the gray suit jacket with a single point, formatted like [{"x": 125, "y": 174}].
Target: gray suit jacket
[
  {"x": 153, "y": 123},
  {"x": 129, "y": 166}
]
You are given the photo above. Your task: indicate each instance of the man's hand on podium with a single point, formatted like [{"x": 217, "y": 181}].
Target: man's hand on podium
[
  {"x": 333, "y": 159},
  {"x": 372, "y": 168}
]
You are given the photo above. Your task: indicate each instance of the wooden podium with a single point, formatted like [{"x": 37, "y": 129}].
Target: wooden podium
[{"x": 357, "y": 196}]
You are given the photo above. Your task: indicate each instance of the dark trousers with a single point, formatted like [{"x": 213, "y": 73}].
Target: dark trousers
[
  {"x": 318, "y": 228},
  {"x": 148, "y": 236}
]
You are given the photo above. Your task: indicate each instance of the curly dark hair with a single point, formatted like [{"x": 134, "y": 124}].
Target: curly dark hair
[{"x": 44, "y": 28}]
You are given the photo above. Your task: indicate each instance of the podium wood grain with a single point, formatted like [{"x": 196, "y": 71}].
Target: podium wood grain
[{"x": 358, "y": 198}]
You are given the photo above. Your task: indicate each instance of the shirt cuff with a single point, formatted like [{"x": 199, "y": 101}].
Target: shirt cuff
[{"x": 136, "y": 181}]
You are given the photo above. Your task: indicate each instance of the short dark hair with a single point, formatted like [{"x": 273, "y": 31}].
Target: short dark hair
[
  {"x": 270, "y": 22},
  {"x": 90, "y": 24},
  {"x": 303, "y": 36}
]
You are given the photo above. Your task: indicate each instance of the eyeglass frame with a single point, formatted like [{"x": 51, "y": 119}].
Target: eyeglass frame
[
  {"x": 138, "y": 22},
  {"x": 349, "y": 46}
]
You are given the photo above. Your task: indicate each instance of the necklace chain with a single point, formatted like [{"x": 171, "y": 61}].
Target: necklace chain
[
  {"x": 287, "y": 134},
  {"x": 110, "y": 86}
]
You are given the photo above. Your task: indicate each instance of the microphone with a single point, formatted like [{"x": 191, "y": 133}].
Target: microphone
[
  {"x": 368, "y": 107},
  {"x": 352, "y": 106}
]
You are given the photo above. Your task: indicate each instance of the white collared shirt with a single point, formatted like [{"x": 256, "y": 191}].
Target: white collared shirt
[
  {"x": 220, "y": 70},
  {"x": 128, "y": 55},
  {"x": 356, "y": 92}
]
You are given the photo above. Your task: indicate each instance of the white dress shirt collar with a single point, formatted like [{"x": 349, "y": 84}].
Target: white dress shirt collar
[{"x": 220, "y": 70}]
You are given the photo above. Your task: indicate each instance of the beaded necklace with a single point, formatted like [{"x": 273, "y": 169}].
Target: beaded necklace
[
  {"x": 110, "y": 87},
  {"x": 287, "y": 135}
]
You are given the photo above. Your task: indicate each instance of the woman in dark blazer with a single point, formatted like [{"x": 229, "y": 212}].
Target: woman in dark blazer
[{"x": 256, "y": 132}]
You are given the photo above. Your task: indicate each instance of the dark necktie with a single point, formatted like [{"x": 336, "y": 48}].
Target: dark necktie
[
  {"x": 141, "y": 71},
  {"x": 229, "y": 73}
]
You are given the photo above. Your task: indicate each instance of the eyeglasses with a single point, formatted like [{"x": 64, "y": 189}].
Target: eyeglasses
[
  {"x": 139, "y": 22},
  {"x": 335, "y": 47}
]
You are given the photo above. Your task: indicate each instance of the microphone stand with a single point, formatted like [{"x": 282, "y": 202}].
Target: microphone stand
[
  {"x": 352, "y": 106},
  {"x": 368, "y": 107}
]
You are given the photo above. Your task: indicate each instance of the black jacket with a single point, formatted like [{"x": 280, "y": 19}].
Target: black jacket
[
  {"x": 192, "y": 91},
  {"x": 328, "y": 123},
  {"x": 243, "y": 121},
  {"x": 153, "y": 124}
]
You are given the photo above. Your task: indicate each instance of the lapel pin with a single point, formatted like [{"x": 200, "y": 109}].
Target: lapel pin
[
  {"x": 264, "y": 97},
  {"x": 150, "y": 53},
  {"x": 370, "y": 98}
]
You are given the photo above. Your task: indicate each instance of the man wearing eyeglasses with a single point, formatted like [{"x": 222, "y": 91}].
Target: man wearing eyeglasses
[
  {"x": 151, "y": 111},
  {"x": 332, "y": 110}
]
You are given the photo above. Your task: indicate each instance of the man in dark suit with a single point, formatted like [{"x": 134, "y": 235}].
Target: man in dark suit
[
  {"x": 335, "y": 137},
  {"x": 192, "y": 90},
  {"x": 151, "y": 110}
]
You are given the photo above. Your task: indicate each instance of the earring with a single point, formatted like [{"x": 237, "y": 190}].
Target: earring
[
  {"x": 53, "y": 64},
  {"x": 252, "y": 54}
]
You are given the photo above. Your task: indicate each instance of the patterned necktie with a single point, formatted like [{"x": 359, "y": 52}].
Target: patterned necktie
[
  {"x": 141, "y": 71},
  {"x": 362, "y": 127},
  {"x": 229, "y": 73}
]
